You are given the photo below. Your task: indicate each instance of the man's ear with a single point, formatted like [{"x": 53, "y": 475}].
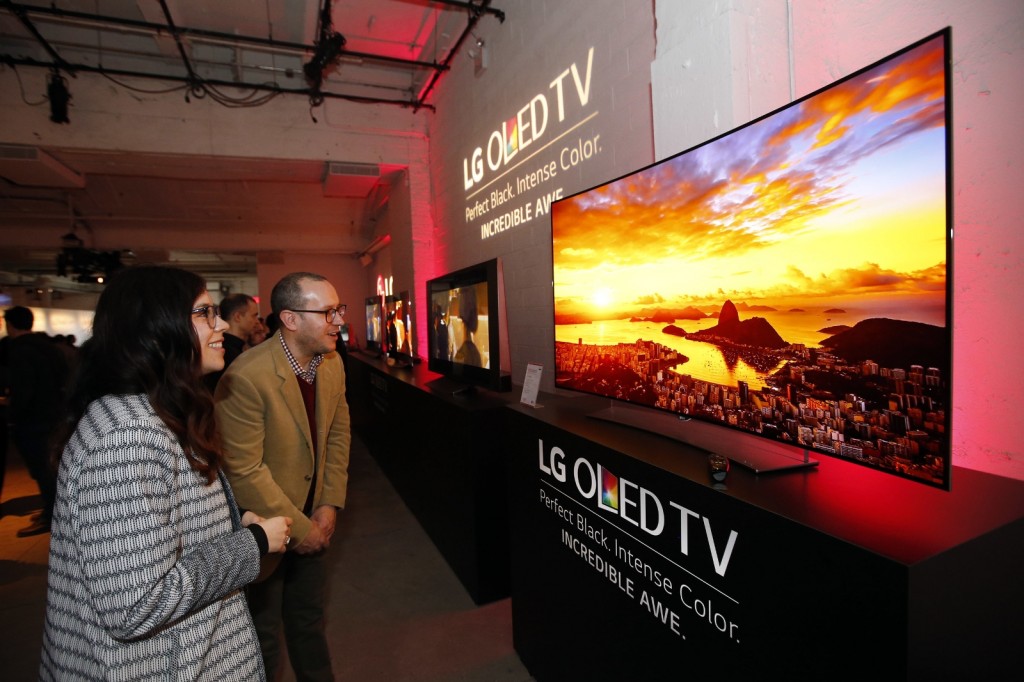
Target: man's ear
[{"x": 289, "y": 320}]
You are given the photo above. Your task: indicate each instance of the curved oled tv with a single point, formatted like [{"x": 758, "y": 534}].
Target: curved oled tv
[{"x": 788, "y": 279}]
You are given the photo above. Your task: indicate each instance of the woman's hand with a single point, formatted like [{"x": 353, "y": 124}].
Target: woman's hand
[
  {"x": 249, "y": 518},
  {"x": 278, "y": 530}
]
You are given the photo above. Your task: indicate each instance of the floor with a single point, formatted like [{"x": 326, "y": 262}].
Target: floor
[{"x": 397, "y": 612}]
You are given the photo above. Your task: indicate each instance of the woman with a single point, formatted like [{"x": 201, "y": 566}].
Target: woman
[{"x": 149, "y": 552}]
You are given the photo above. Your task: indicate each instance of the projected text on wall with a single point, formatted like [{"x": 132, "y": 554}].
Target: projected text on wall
[{"x": 513, "y": 178}]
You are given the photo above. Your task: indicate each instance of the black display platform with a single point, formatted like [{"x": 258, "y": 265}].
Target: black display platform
[
  {"x": 440, "y": 446},
  {"x": 831, "y": 573}
]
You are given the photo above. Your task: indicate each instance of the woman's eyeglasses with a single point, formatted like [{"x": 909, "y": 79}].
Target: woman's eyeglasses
[{"x": 210, "y": 312}]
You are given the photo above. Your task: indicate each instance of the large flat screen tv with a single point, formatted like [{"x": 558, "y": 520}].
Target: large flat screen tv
[
  {"x": 464, "y": 338},
  {"x": 788, "y": 279}
]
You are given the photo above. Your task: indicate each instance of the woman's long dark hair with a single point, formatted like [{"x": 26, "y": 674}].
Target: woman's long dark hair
[{"x": 143, "y": 341}]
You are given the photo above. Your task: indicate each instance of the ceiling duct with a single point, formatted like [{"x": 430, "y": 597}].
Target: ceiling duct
[
  {"x": 350, "y": 179},
  {"x": 29, "y": 166}
]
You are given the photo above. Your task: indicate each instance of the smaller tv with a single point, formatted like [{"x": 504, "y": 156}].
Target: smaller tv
[
  {"x": 374, "y": 337},
  {"x": 399, "y": 325},
  {"x": 464, "y": 335}
]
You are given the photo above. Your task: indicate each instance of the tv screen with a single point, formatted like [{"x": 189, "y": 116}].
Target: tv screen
[
  {"x": 788, "y": 279},
  {"x": 464, "y": 336},
  {"x": 374, "y": 337},
  {"x": 399, "y": 327}
]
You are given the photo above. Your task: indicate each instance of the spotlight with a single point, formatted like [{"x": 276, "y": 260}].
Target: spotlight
[
  {"x": 57, "y": 91},
  {"x": 71, "y": 241},
  {"x": 328, "y": 50}
]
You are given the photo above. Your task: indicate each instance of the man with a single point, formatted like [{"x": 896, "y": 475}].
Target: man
[
  {"x": 260, "y": 335},
  {"x": 242, "y": 314},
  {"x": 4, "y": 342},
  {"x": 36, "y": 375},
  {"x": 284, "y": 423}
]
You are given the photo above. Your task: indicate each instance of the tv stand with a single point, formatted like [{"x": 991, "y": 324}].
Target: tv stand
[
  {"x": 623, "y": 543},
  {"x": 464, "y": 392},
  {"x": 438, "y": 443},
  {"x": 395, "y": 363},
  {"x": 757, "y": 454}
]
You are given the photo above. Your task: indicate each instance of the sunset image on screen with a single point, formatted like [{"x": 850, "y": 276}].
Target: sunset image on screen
[{"x": 796, "y": 266}]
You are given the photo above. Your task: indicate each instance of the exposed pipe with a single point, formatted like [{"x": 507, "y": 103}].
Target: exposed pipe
[
  {"x": 101, "y": 21},
  {"x": 263, "y": 87},
  {"x": 475, "y": 13},
  {"x": 66, "y": 17},
  {"x": 20, "y": 12},
  {"x": 177, "y": 40},
  {"x": 482, "y": 8}
]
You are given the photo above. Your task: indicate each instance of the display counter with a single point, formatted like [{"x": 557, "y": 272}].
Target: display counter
[
  {"x": 630, "y": 562},
  {"x": 440, "y": 447}
]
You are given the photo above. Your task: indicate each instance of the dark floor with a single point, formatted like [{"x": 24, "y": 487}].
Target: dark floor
[{"x": 397, "y": 612}]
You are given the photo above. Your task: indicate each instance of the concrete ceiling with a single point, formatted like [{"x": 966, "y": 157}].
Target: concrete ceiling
[
  {"x": 394, "y": 52},
  {"x": 385, "y": 50}
]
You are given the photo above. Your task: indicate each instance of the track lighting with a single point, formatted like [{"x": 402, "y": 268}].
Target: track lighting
[
  {"x": 57, "y": 92},
  {"x": 366, "y": 255},
  {"x": 85, "y": 265},
  {"x": 326, "y": 52}
]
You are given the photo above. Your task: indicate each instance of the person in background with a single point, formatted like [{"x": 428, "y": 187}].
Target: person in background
[
  {"x": 284, "y": 421},
  {"x": 149, "y": 551},
  {"x": 4, "y": 342},
  {"x": 260, "y": 334},
  {"x": 272, "y": 323},
  {"x": 37, "y": 373},
  {"x": 242, "y": 314},
  {"x": 65, "y": 343}
]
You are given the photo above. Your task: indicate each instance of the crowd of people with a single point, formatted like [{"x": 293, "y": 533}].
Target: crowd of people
[{"x": 192, "y": 463}]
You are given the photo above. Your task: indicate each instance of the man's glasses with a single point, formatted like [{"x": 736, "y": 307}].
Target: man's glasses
[
  {"x": 330, "y": 315},
  {"x": 210, "y": 312}
]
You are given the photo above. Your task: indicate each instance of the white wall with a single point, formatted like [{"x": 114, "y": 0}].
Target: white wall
[
  {"x": 587, "y": 65},
  {"x": 109, "y": 117}
]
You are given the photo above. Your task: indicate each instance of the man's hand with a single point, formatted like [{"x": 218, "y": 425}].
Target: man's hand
[
  {"x": 325, "y": 516},
  {"x": 313, "y": 542},
  {"x": 320, "y": 533}
]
